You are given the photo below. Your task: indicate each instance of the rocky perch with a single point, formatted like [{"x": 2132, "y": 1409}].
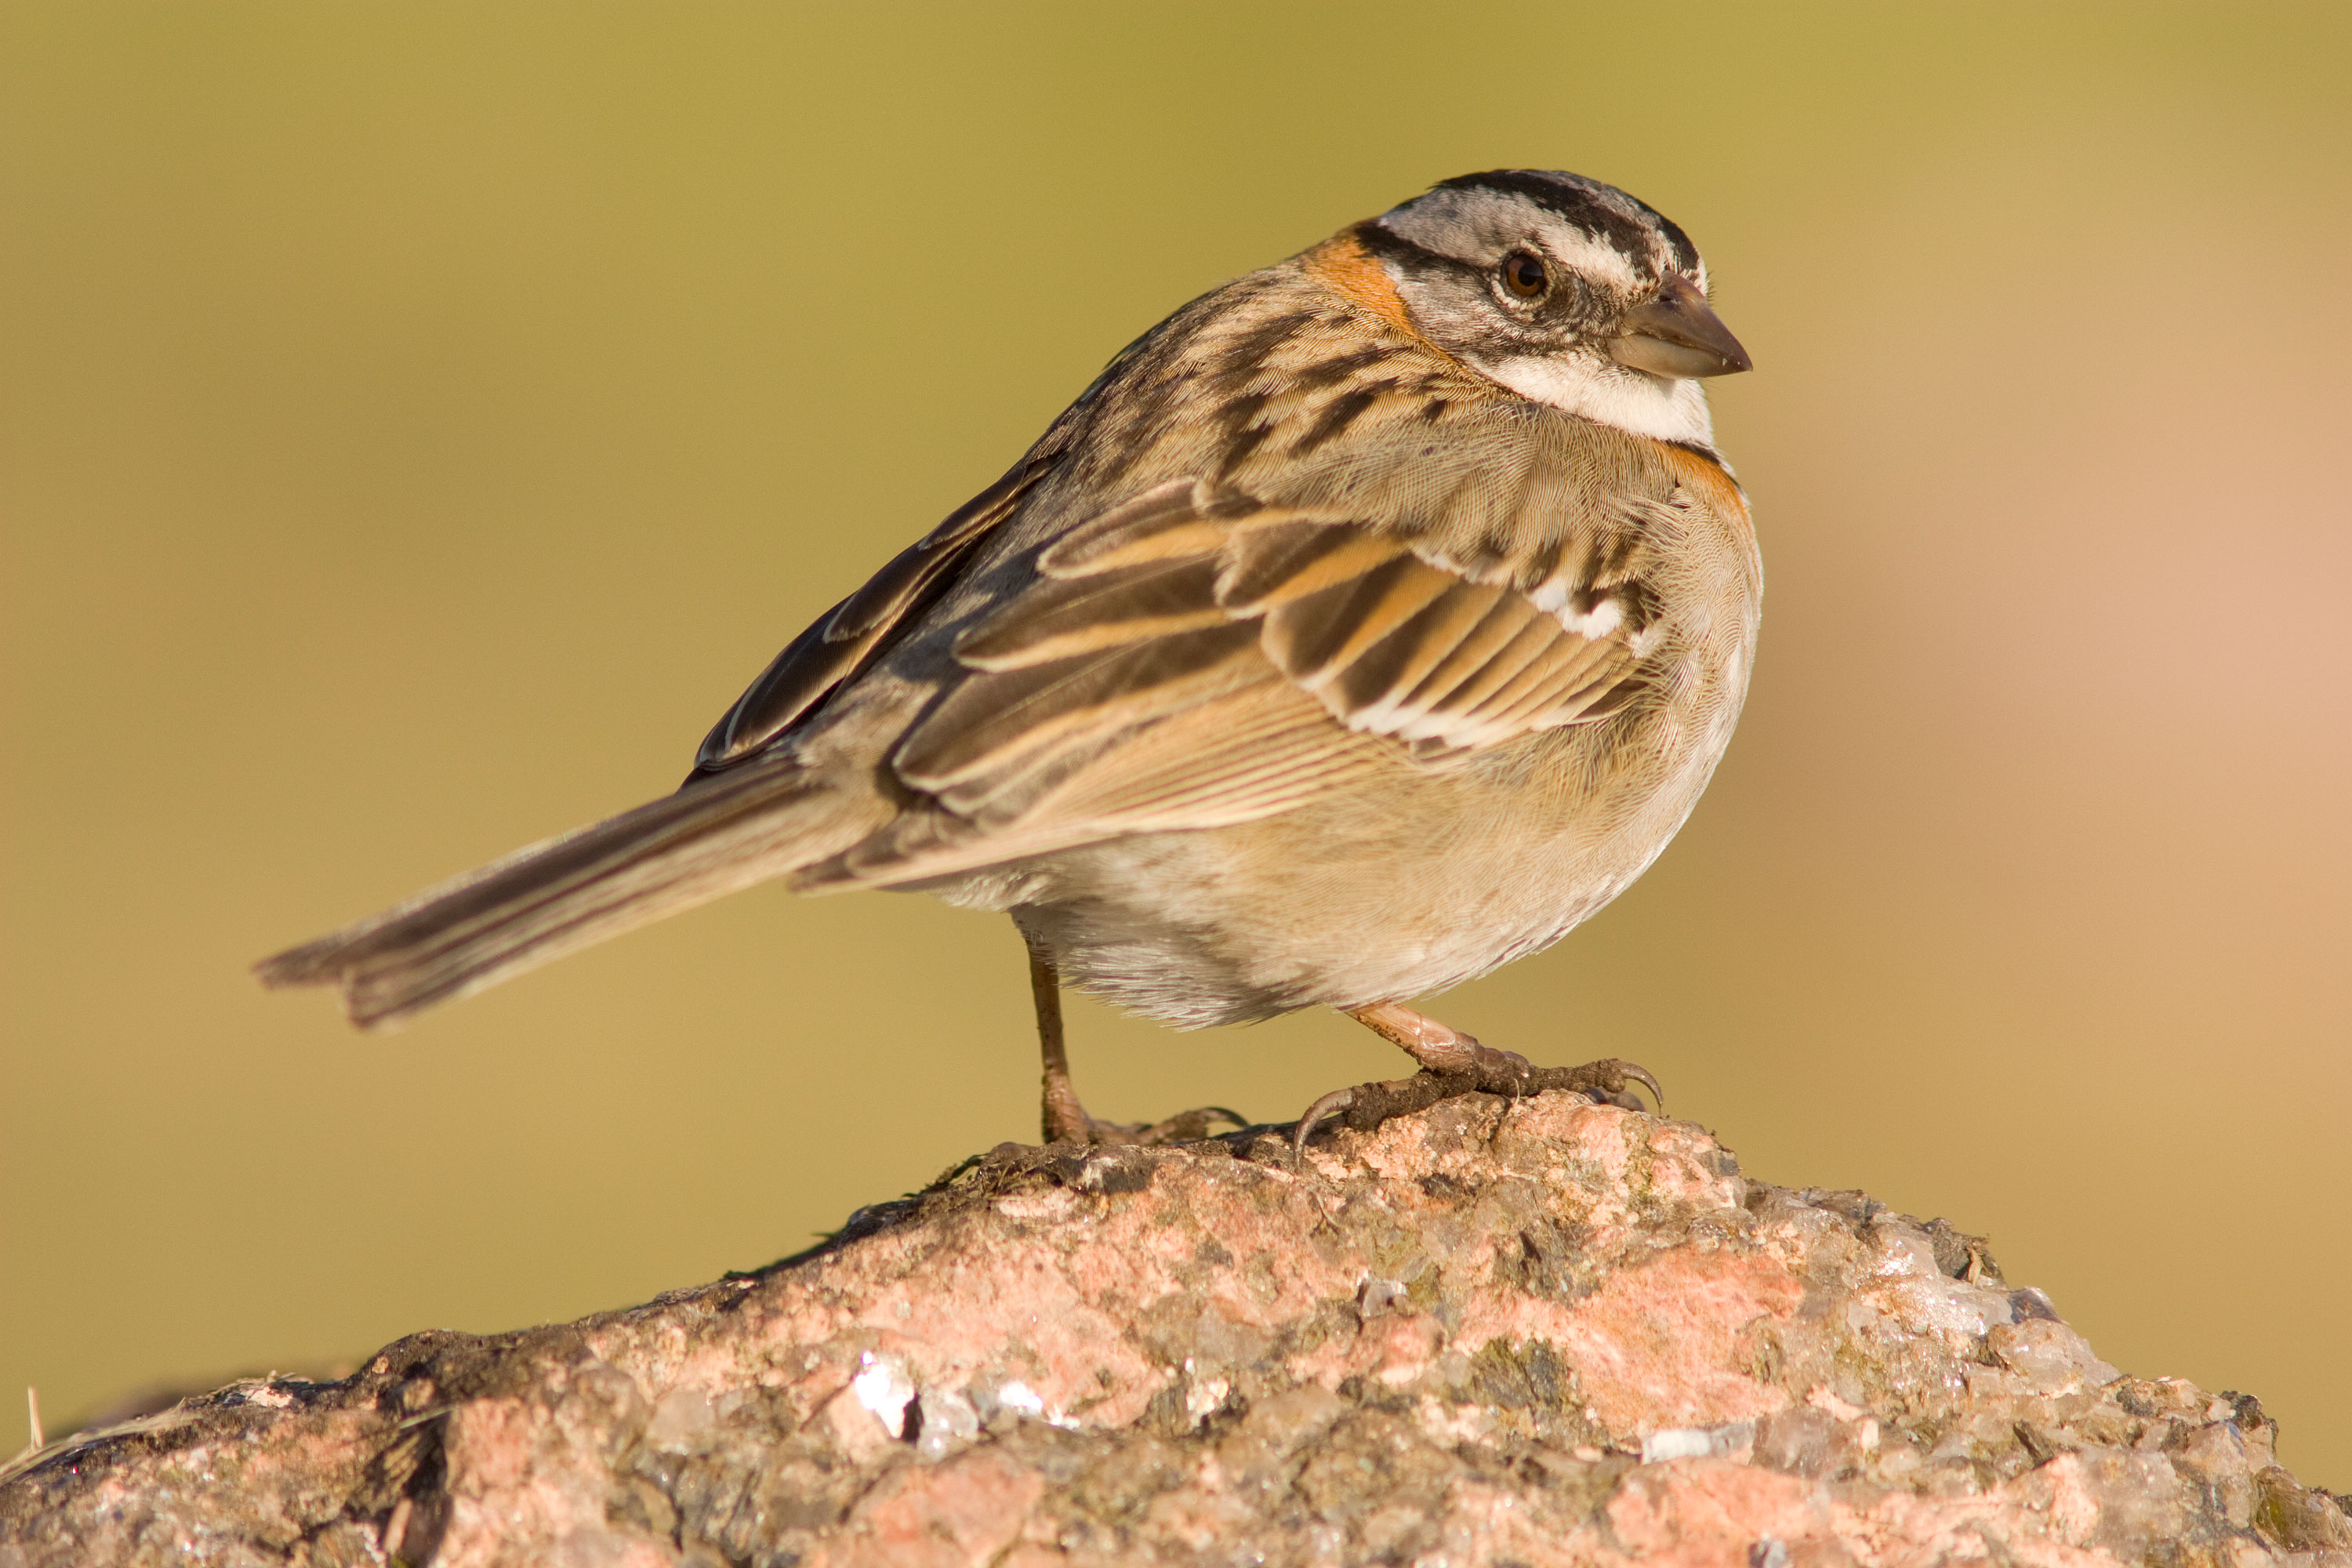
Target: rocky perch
[{"x": 1547, "y": 1332}]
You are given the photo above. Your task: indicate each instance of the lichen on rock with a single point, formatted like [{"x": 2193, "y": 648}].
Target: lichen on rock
[{"x": 1538, "y": 1333}]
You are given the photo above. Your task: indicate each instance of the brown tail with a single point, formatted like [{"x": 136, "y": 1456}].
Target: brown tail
[{"x": 715, "y": 836}]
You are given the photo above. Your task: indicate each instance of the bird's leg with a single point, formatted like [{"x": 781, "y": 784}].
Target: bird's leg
[
  {"x": 1065, "y": 1120},
  {"x": 1440, "y": 1048},
  {"x": 1453, "y": 1063}
]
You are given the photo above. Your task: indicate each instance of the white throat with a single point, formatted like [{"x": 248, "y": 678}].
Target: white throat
[{"x": 1610, "y": 395}]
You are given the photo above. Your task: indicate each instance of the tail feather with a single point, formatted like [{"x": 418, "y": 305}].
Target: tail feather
[{"x": 713, "y": 837}]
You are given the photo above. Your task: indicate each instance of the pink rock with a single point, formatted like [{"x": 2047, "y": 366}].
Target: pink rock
[{"x": 1547, "y": 1334}]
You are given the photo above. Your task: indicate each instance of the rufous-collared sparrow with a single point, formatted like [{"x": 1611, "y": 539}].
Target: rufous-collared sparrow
[{"x": 1368, "y": 624}]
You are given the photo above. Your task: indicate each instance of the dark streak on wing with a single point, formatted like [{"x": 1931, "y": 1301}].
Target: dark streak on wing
[
  {"x": 1240, "y": 361},
  {"x": 1342, "y": 412},
  {"x": 1242, "y": 445},
  {"x": 854, "y": 633},
  {"x": 1151, "y": 598},
  {"x": 1330, "y": 372},
  {"x": 1186, "y": 596},
  {"x": 995, "y": 723}
]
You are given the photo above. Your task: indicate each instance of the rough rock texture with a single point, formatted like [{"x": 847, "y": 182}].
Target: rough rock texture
[{"x": 1551, "y": 1333}]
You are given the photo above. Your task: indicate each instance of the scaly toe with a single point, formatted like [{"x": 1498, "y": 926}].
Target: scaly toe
[
  {"x": 1607, "y": 1082},
  {"x": 1365, "y": 1106},
  {"x": 1189, "y": 1126},
  {"x": 1504, "y": 1073}
]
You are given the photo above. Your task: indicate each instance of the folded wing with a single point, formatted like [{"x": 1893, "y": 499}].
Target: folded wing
[{"x": 1297, "y": 649}]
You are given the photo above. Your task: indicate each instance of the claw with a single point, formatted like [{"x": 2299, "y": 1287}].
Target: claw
[
  {"x": 1331, "y": 1104},
  {"x": 1368, "y": 1105},
  {"x": 1607, "y": 1082}
]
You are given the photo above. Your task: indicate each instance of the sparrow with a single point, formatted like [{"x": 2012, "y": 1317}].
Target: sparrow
[{"x": 1368, "y": 624}]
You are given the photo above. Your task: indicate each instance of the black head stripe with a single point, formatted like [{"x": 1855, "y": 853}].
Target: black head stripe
[
  {"x": 1678, "y": 244},
  {"x": 1386, "y": 244},
  {"x": 1587, "y": 205}
]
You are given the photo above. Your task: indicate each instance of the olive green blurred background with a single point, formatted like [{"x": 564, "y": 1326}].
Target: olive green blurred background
[{"x": 421, "y": 420}]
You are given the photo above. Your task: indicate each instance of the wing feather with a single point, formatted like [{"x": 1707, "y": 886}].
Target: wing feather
[
  {"x": 1196, "y": 655},
  {"x": 1272, "y": 566},
  {"x": 1473, "y": 656},
  {"x": 966, "y": 748},
  {"x": 853, "y": 634},
  {"x": 1312, "y": 638},
  {"x": 1163, "y": 522},
  {"x": 1245, "y": 755},
  {"x": 1530, "y": 632},
  {"x": 1259, "y": 748},
  {"x": 1063, "y": 618},
  {"x": 1385, "y": 676},
  {"x": 1297, "y": 648}
]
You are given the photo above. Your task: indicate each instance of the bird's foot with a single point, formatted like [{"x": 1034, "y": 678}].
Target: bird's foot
[
  {"x": 1191, "y": 1126},
  {"x": 1065, "y": 1120},
  {"x": 1483, "y": 1070},
  {"x": 1184, "y": 1127}
]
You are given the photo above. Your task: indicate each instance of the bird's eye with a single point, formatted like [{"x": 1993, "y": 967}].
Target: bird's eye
[{"x": 1524, "y": 273}]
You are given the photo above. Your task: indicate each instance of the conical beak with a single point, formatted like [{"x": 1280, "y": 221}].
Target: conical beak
[{"x": 1676, "y": 334}]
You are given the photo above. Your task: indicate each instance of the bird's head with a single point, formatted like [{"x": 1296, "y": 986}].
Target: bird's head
[{"x": 1568, "y": 291}]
